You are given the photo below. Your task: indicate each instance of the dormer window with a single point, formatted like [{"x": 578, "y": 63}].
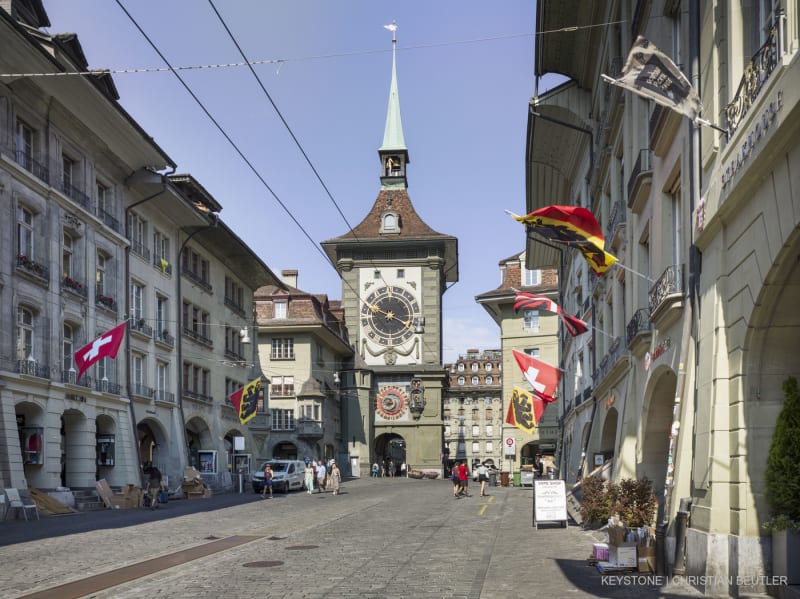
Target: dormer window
[{"x": 390, "y": 222}]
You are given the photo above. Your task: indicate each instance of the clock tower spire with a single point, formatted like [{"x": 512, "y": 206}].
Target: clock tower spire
[{"x": 393, "y": 152}]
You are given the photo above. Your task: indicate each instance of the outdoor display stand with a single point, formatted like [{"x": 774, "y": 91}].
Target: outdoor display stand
[{"x": 549, "y": 502}]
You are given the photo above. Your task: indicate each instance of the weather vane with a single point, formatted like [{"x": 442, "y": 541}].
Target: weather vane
[{"x": 393, "y": 29}]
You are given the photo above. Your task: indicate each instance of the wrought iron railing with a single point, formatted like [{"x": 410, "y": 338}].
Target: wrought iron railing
[
  {"x": 142, "y": 390},
  {"x": 618, "y": 215},
  {"x": 106, "y": 386},
  {"x": 669, "y": 283},
  {"x": 33, "y": 367},
  {"x": 197, "y": 396},
  {"x": 108, "y": 220},
  {"x": 197, "y": 337},
  {"x": 640, "y": 323},
  {"x": 33, "y": 267},
  {"x": 234, "y": 305},
  {"x": 71, "y": 376},
  {"x": 138, "y": 248},
  {"x": 755, "y": 75},
  {"x": 76, "y": 195},
  {"x": 197, "y": 280},
  {"x": 609, "y": 360},
  {"x": 162, "y": 264},
  {"x": 32, "y": 166},
  {"x": 165, "y": 337},
  {"x": 643, "y": 165},
  {"x": 104, "y": 301},
  {"x": 141, "y": 327},
  {"x": 166, "y": 396}
]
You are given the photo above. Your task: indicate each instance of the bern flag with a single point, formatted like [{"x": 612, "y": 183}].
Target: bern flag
[
  {"x": 245, "y": 400},
  {"x": 524, "y": 410}
]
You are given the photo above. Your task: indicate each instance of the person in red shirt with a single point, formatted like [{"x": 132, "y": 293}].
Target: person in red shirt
[{"x": 463, "y": 477}]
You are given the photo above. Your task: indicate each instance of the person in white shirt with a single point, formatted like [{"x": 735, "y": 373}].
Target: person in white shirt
[
  {"x": 483, "y": 477},
  {"x": 322, "y": 474}
]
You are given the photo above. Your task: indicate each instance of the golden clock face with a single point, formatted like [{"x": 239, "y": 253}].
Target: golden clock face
[{"x": 389, "y": 314}]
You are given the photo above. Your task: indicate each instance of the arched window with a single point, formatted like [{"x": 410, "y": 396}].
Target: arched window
[
  {"x": 390, "y": 222},
  {"x": 461, "y": 380}
]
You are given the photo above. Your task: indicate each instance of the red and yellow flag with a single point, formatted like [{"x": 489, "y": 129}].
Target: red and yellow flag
[
  {"x": 245, "y": 400},
  {"x": 574, "y": 226},
  {"x": 524, "y": 410}
]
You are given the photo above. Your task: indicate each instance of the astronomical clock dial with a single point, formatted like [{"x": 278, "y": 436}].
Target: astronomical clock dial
[
  {"x": 388, "y": 315},
  {"x": 392, "y": 403}
]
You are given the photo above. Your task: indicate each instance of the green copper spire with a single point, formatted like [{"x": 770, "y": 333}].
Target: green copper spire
[
  {"x": 393, "y": 152},
  {"x": 393, "y": 134}
]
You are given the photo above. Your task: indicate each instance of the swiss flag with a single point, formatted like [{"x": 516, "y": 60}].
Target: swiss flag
[
  {"x": 542, "y": 377},
  {"x": 106, "y": 345}
]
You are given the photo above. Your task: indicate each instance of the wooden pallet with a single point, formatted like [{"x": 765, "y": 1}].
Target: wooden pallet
[{"x": 48, "y": 504}]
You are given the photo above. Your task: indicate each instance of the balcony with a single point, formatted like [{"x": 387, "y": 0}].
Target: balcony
[
  {"x": 163, "y": 265},
  {"x": 196, "y": 396},
  {"x": 616, "y": 224},
  {"x": 196, "y": 336},
  {"x": 665, "y": 299},
  {"x": 32, "y": 166},
  {"x": 108, "y": 220},
  {"x": 197, "y": 280},
  {"x": 640, "y": 181},
  {"x": 639, "y": 330},
  {"x": 72, "y": 286},
  {"x": 138, "y": 248},
  {"x": 71, "y": 378},
  {"x": 235, "y": 306},
  {"x": 105, "y": 386},
  {"x": 105, "y": 301},
  {"x": 141, "y": 328},
  {"x": 165, "y": 396},
  {"x": 140, "y": 390},
  {"x": 76, "y": 195},
  {"x": 612, "y": 364},
  {"x": 310, "y": 429},
  {"x": 165, "y": 338},
  {"x": 754, "y": 77},
  {"x": 33, "y": 367},
  {"x": 33, "y": 268}
]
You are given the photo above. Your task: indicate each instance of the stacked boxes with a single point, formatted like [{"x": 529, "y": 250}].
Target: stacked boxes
[{"x": 127, "y": 498}]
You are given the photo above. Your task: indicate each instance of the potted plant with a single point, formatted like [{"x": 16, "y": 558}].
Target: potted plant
[{"x": 782, "y": 478}]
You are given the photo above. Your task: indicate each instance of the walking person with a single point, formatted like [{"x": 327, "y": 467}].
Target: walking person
[
  {"x": 463, "y": 477},
  {"x": 336, "y": 478},
  {"x": 154, "y": 486},
  {"x": 375, "y": 470},
  {"x": 268, "y": 475},
  {"x": 321, "y": 475},
  {"x": 309, "y": 478},
  {"x": 483, "y": 478},
  {"x": 454, "y": 478}
]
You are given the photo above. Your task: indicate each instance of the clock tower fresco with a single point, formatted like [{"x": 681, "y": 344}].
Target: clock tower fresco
[{"x": 394, "y": 270}]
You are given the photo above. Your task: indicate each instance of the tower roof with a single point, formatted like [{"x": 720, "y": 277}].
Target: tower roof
[{"x": 393, "y": 140}]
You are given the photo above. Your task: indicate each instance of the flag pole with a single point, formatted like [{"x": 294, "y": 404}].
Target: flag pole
[{"x": 629, "y": 269}]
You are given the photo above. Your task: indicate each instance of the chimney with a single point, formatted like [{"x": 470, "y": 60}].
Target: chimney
[{"x": 289, "y": 277}]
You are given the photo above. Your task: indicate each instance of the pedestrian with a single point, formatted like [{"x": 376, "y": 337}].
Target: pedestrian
[
  {"x": 336, "y": 478},
  {"x": 391, "y": 469},
  {"x": 463, "y": 477},
  {"x": 153, "y": 485},
  {"x": 404, "y": 470},
  {"x": 454, "y": 478},
  {"x": 309, "y": 478},
  {"x": 375, "y": 470},
  {"x": 268, "y": 475},
  {"x": 321, "y": 475},
  {"x": 483, "y": 478}
]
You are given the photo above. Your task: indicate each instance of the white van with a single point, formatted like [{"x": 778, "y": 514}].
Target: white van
[{"x": 286, "y": 475}]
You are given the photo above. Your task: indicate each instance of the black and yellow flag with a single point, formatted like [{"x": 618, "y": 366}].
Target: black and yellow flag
[
  {"x": 524, "y": 410},
  {"x": 245, "y": 400}
]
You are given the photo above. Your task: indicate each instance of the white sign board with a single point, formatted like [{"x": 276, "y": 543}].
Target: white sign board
[
  {"x": 510, "y": 445},
  {"x": 550, "y": 501}
]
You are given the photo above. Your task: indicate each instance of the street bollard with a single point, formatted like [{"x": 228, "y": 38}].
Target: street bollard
[
  {"x": 681, "y": 520},
  {"x": 241, "y": 482},
  {"x": 661, "y": 530}
]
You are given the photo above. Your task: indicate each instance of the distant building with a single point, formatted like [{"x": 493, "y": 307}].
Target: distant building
[{"x": 472, "y": 409}]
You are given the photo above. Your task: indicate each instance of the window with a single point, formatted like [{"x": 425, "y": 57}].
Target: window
[
  {"x": 476, "y": 380},
  {"x": 25, "y": 145},
  {"x": 68, "y": 348},
  {"x": 489, "y": 429},
  {"x": 282, "y": 349},
  {"x": 531, "y": 277},
  {"x": 488, "y": 367},
  {"x": 105, "y": 369},
  {"x": 137, "y": 301},
  {"x": 162, "y": 314},
  {"x": 25, "y": 347},
  {"x": 475, "y": 367},
  {"x": 161, "y": 251},
  {"x": 531, "y": 320},
  {"x": 234, "y": 294},
  {"x": 461, "y": 367},
  {"x": 446, "y": 430},
  {"x": 68, "y": 172},
  {"x": 137, "y": 369},
  {"x": 137, "y": 231},
  {"x": 461, "y": 380},
  {"x": 282, "y": 420},
  {"x": 476, "y": 448},
  {"x": 66, "y": 256},
  {"x": 476, "y": 430},
  {"x": 281, "y": 310},
  {"x": 25, "y": 232},
  {"x": 401, "y": 273},
  {"x": 532, "y": 351},
  {"x": 103, "y": 199},
  {"x": 100, "y": 274},
  {"x": 162, "y": 379},
  {"x": 390, "y": 223},
  {"x": 489, "y": 415},
  {"x": 196, "y": 267},
  {"x": 282, "y": 386},
  {"x": 489, "y": 380},
  {"x": 376, "y": 275},
  {"x": 489, "y": 447}
]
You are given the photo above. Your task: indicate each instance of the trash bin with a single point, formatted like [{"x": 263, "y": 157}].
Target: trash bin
[
  {"x": 504, "y": 479},
  {"x": 492, "y": 477},
  {"x": 517, "y": 479}
]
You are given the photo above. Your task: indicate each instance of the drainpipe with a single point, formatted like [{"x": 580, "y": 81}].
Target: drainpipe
[{"x": 127, "y": 277}]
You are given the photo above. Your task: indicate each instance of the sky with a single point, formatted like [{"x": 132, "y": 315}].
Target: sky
[{"x": 465, "y": 77}]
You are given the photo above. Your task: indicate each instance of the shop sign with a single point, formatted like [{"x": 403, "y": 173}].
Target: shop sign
[
  {"x": 649, "y": 357},
  {"x": 750, "y": 140}
]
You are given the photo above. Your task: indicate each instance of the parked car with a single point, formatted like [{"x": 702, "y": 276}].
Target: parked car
[{"x": 286, "y": 475}]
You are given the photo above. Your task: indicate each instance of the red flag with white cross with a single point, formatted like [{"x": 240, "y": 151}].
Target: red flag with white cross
[
  {"x": 105, "y": 346},
  {"x": 542, "y": 377}
]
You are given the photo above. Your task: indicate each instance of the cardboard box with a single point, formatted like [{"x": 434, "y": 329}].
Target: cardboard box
[
  {"x": 646, "y": 556},
  {"x": 623, "y": 556},
  {"x": 127, "y": 498},
  {"x": 616, "y": 535},
  {"x": 600, "y": 552}
]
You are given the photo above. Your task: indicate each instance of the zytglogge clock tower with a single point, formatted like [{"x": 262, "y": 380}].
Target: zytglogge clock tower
[{"x": 394, "y": 270}]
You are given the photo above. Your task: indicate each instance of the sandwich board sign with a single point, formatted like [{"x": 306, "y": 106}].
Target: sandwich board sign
[{"x": 549, "y": 502}]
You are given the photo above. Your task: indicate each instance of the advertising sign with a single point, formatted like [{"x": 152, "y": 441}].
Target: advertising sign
[{"x": 550, "y": 501}]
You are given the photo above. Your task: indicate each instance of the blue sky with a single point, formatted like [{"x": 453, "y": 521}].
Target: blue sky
[{"x": 465, "y": 75}]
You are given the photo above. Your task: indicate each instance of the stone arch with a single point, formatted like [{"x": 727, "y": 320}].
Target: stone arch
[
  {"x": 78, "y": 448},
  {"x": 390, "y": 446},
  {"x": 151, "y": 438},
  {"x": 657, "y": 419},
  {"x": 32, "y": 429},
  {"x": 608, "y": 436}
]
